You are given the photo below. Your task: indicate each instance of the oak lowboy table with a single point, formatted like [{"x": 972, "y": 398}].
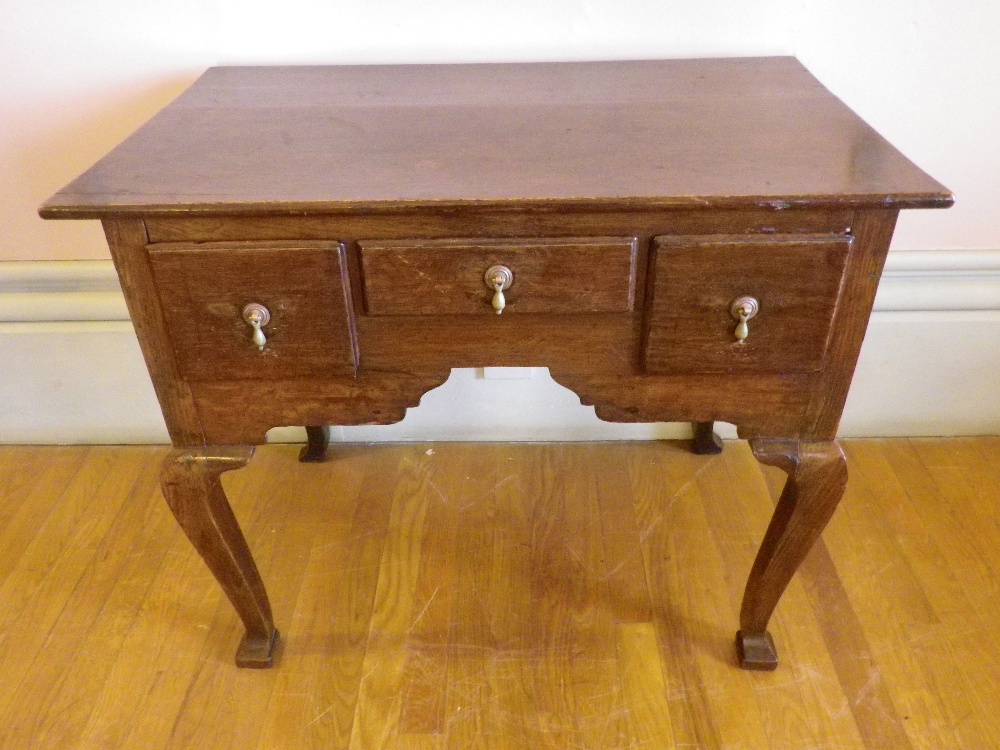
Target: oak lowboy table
[{"x": 689, "y": 240}]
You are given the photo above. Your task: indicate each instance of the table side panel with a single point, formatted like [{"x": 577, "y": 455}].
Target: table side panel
[
  {"x": 873, "y": 232},
  {"x": 127, "y": 240}
]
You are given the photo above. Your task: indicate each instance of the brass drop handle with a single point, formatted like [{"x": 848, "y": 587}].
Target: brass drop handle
[
  {"x": 743, "y": 309},
  {"x": 257, "y": 316},
  {"x": 498, "y": 278}
]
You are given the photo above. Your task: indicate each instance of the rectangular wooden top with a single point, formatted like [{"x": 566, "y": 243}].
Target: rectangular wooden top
[{"x": 610, "y": 135}]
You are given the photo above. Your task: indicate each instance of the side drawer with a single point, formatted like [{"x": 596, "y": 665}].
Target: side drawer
[
  {"x": 795, "y": 279},
  {"x": 446, "y": 277},
  {"x": 203, "y": 289}
]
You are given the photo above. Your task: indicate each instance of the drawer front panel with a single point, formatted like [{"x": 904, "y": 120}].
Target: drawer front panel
[
  {"x": 446, "y": 277},
  {"x": 204, "y": 288},
  {"x": 795, "y": 280}
]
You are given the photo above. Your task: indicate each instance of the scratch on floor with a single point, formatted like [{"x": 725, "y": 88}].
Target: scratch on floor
[
  {"x": 644, "y": 534},
  {"x": 328, "y": 710},
  {"x": 504, "y": 481},
  {"x": 625, "y": 561},
  {"x": 871, "y": 684},
  {"x": 424, "y": 610}
]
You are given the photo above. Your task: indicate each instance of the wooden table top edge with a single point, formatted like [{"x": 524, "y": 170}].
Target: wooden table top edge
[{"x": 63, "y": 206}]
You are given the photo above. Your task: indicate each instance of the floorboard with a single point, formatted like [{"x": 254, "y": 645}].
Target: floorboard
[{"x": 446, "y": 596}]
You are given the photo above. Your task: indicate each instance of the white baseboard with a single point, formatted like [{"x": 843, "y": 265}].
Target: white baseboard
[
  {"x": 73, "y": 372},
  {"x": 76, "y": 382}
]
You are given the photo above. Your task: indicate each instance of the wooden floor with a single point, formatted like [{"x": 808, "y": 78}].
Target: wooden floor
[{"x": 502, "y": 596}]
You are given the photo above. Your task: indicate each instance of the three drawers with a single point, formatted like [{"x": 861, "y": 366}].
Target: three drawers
[{"x": 689, "y": 321}]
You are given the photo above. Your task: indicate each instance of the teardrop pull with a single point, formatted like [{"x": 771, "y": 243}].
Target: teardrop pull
[
  {"x": 743, "y": 309},
  {"x": 499, "y": 301},
  {"x": 742, "y": 329},
  {"x": 498, "y": 278},
  {"x": 257, "y": 316}
]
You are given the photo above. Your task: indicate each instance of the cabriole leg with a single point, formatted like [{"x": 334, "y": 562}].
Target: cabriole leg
[
  {"x": 817, "y": 476},
  {"x": 190, "y": 478}
]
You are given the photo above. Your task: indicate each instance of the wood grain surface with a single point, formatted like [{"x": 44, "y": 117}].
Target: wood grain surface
[
  {"x": 600, "y": 134},
  {"x": 203, "y": 289},
  {"x": 447, "y": 277},
  {"x": 508, "y": 596},
  {"x": 795, "y": 280}
]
